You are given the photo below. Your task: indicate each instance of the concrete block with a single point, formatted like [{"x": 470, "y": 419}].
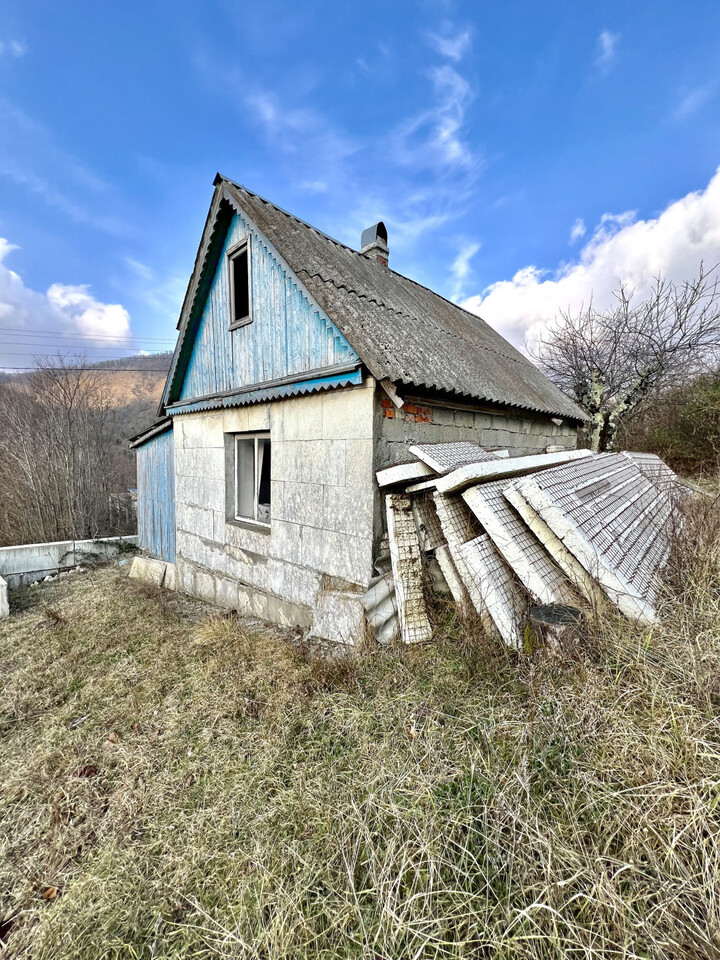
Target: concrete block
[
  {"x": 195, "y": 520},
  {"x": 169, "y": 583},
  {"x": 322, "y": 461},
  {"x": 359, "y": 469},
  {"x": 297, "y": 419},
  {"x": 184, "y": 576},
  {"x": 226, "y": 593},
  {"x": 201, "y": 492},
  {"x": 199, "y": 430},
  {"x": 286, "y": 461},
  {"x": 258, "y": 416},
  {"x": 4, "y": 604},
  {"x": 235, "y": 420},
  {"x": 205, "y": 585},
  {"x": 302, "y": 503},
  {"x": 148, "y": 569},
  {"x": 287, "y": 541},
  {"x": 346, "y": 512},
  {"x": 347, "y": 414},
  {"x": 296, "y": 583},
  {"x": 339, "y": 617}
]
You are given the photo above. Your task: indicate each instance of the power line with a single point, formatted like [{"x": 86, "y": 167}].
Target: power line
[
  {"x": 82, "y": 336},
  {"x": 67, "y": 346},
  {"x": 87, "y": 369}
]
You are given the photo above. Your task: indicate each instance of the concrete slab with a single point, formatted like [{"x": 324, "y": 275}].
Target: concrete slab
[
  {"x": 403, "y": 473},
  {"x": 494, "y": 589},
  {"x": 4, "y": 605},
  {"x": 512, "y": 466},
  {"x": 148, "y": 570}
]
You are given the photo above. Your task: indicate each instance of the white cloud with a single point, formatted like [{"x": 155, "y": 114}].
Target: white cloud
[
  {"x": 86, "y": 315},
  {"x": 63, "y": 309},
  {"x": 449, "y": 46},
  {"x": 621, "y": 247},
  {"x": 12, "y": 48},
  {"x": 577, "y": 230},
  {"x": 460, "y": 268},
  {"x": 694, "y": 100},
  {"x": 605, "y": 49}
]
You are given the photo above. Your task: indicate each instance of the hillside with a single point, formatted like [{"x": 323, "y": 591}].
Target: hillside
[{"x": 178, "y": 783}]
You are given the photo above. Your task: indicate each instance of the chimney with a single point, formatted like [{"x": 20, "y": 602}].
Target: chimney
[{"x": 374, "y": 245}]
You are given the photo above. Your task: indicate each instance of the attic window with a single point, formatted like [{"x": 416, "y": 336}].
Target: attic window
[{"x": 239, "y": 271}]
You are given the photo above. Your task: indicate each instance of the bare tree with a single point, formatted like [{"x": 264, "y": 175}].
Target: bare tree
[
  {"x": 56, "y": 463},
  {"x": 612, "y": 361}
]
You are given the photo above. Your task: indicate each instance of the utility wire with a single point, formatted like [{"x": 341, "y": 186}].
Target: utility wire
[
  {"x": 87, "y": 369},
  {"x": 82, "y": 336}
]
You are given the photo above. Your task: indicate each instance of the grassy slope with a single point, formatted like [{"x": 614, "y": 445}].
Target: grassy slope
[{"x": 253, "y": 800}]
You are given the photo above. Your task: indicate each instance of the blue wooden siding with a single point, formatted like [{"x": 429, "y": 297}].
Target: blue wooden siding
[
  {"x": 288, "y": 334},
  {"x": 156, "y": 496}
]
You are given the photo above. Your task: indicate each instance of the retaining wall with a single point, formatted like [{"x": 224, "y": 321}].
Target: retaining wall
[{"x": 28, "y": 562}]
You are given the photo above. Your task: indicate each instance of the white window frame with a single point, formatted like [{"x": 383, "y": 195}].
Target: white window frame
[
  {"x": 241, "y": 518},
  {"x": 232, "y": 254}
]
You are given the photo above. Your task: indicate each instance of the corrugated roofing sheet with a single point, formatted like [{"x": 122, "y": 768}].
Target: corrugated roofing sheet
[
  {"x": 400, "y": 329},
  {"x": 612, "y": 518}
]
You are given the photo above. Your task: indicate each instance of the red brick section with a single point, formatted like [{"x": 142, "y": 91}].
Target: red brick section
[{"x": 410, "y": 412}]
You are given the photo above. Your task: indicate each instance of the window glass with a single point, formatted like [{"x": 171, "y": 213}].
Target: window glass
[
  {"x": 241, "y": 286},
  {"x": 245, "y": 476}
]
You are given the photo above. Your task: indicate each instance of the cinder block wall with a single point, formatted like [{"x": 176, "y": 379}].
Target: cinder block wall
[
  {"x": 316, "y": 560},
  {"x": 396, "y": 430},
  {"x": 427, "y": 423}
]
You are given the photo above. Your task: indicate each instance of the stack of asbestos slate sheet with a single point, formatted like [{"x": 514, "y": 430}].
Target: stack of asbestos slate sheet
[{"x": 509, "y": 533}]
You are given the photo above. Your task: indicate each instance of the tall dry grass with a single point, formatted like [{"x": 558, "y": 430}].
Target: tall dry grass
[{"x": 253, "y": 799}]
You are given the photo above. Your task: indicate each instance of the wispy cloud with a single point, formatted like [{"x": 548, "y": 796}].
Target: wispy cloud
[
  {"x": 577, "y": 230},
  {"x": 694, "y": 100},
  {"x": 460, "y": 268},
  {"x": 435, "y": 137},
  {"x": 31, "y": 158},
  {"x": 13, "y": 49},
  {"x": 451, "y": 46},
  {"x": 605, "y": 52}
]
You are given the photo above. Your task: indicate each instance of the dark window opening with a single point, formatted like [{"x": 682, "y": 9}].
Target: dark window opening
[
  {"x": 240, "y": 280},
  {"x": 252, "y": 478}
]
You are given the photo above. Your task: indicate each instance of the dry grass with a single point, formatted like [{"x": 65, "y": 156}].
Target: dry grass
[{"x": 177, "y": 785}]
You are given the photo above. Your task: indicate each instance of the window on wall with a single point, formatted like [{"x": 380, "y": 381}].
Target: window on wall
[
  {"x": 239, "y": 270},
  {"x": 252, "y": 477}
]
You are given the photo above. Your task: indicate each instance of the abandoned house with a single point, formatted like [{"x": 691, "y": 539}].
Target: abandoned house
[{"x": 301, "y": 368}]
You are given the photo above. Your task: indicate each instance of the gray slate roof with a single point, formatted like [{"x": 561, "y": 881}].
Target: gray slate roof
[{"x": 401, "y": 330}]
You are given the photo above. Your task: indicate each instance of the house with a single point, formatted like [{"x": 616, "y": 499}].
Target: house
[{"x": 302, "y": 367}]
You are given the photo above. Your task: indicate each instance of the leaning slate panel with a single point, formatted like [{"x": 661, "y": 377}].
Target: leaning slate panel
[
  {"x": 613, "y": 519},
  {"x": 523, "y": 552}
]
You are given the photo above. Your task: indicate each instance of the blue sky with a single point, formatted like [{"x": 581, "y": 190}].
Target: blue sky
[{"x": 523, "y": 155}]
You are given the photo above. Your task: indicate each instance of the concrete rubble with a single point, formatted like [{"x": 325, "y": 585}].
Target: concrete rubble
[{"x": 508, "y": 535}]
